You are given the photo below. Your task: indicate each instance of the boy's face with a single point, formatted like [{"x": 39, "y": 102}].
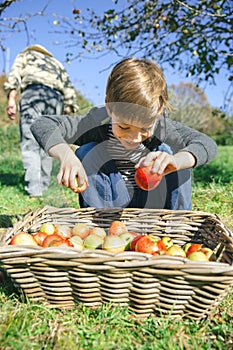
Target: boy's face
[{"x": 130, "y": 135}]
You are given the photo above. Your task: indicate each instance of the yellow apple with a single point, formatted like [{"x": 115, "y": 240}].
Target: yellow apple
[
  {"x": 23, "y": 238},
  {"x": 176, "y": 250},
  {"x": 79, "y": 189},
  {"x": 63, "y": 230},
  {"x": 113, "y": 244},
  {"x": 168, "y": 242},
  {"x": 81, "y": 229},
  {"x": 77, "y": 242},
  {"x": 48, "y": 228},
  {"x": 98, "y": 231}
]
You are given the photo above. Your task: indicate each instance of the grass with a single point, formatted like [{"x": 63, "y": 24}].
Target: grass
[{"x": 27, "y": 325}]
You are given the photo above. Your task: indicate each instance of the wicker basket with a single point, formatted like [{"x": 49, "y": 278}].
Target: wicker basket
[{"x": 159, "y": 285}]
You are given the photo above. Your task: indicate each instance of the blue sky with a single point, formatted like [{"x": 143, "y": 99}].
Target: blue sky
[{"x": 89, "y": 76}]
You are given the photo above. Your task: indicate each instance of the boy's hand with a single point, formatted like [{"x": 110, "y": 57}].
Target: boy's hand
[
  {"x": 71, "y": 169},
  {"x": 164, "y": 163}
]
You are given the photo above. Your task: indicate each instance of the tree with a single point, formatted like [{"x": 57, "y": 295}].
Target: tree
[
  {"x": 191, "y": 106},
  {"x": 194, "y": 37}
]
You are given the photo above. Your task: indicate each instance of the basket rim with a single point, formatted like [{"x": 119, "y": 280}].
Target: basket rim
[{"x": 47, "y": 210}]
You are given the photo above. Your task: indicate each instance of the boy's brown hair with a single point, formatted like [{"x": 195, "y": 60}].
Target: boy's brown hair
[{"x": 137, "y": 87}]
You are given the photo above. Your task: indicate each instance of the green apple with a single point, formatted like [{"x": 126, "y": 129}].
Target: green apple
[
  {"x": 93, "y": 241},
  {"x": 198, "y": 256}
]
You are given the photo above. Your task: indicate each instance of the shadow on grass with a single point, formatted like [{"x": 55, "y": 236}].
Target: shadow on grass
[
  {"x": 8, "y": 287},
  {"x": 8, "y": 220},
  {"x": 13, "y": 173}
]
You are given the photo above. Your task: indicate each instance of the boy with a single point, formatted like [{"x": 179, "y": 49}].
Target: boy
[{"x": 131, "y": 131}]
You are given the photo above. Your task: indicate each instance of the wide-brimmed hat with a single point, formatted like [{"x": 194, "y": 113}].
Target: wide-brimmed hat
[{"x": 38, "y": 48}]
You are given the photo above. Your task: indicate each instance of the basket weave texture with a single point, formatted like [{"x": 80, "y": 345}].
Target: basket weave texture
[{"x": 148, "y": 285}]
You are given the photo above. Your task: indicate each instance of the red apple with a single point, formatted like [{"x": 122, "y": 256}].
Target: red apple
[
  {"x": 194, "y": 247},
  {"x": 113, "y": 244},
  {"x": 23, "y": 238},
  {"x": 39, "y": 237},
  {"x": 78, "y": 188},
  {"x": 81, "y": 229},
  {"x": 117, "y": 228},
  {"x": 48, "y": 228},
  {"x": 52, "y": 240},
  {"x": 93, "y": 241},
  {"x": 176, "y": 250},
  {"x": 150, "y": 244},
  {"x": 146, "y": 180},
  {"x": 65, "y": 242},
  {"x": 100, "y": 231},
  {"x": 134, "y": 242},
  {"x": 198, "y": 256}
]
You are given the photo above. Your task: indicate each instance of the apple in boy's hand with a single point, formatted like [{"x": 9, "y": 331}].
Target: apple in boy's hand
[
  {"x": 146, "y": 180},
  {"x": 80, "y": 189},
  {"x": 23, "y": 238}
]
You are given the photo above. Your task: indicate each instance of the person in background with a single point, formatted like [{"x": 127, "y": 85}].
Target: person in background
[
  {"x": 45, "y": 89},
  {"x": 132, "y": 130}
]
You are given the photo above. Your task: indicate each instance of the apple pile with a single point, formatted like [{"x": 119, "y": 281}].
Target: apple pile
[{"x": 115, "y": 239}]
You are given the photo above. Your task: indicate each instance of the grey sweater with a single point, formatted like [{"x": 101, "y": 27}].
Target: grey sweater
[{"x": 52, "y": 130}]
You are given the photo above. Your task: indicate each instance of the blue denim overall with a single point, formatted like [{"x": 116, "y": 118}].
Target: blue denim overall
[{"x": 108, "y": 189}]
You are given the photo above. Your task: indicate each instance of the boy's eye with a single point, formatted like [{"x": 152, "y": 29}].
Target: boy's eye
[{"x": 123, "y": 127}]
